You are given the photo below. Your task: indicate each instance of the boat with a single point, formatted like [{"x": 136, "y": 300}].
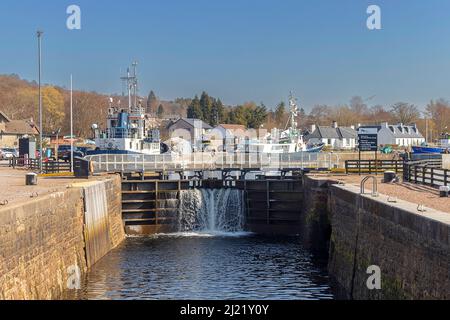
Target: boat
[
  {"x": 291, "y": 140},
  {"x": 442, "y": 147},
  {"x": 126, "y": 131}
]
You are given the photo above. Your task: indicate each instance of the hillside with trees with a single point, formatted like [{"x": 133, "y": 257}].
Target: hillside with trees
[{"x": 19, "y": 100}]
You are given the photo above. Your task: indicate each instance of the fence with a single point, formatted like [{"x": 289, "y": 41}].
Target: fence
[
  {"x": 373, "y": 166},
  {"x": 212, "y": 161},
  {"x": 426, "y": 172},
  {"x": 48, "y": 167}
]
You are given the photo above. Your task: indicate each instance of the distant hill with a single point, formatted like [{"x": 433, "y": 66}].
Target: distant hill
[{"x": 19, "y": 100}]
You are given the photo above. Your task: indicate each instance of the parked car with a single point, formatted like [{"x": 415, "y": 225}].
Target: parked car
[
  {"x": 77, "y": 152},
  {"x": 63, "y": 150},
  {"x": 8, "y": 153}
]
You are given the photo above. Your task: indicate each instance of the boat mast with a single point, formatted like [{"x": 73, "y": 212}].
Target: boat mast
[
  {"x": 131, "y": 82},
  {"x": 294, "y": 113},
  {"x": 135, "y": 83}
]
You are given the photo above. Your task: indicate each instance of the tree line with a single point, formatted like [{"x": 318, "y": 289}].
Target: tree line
[
  {"x": 19, "y": 100},
  {"x": 212, "y": 111}
]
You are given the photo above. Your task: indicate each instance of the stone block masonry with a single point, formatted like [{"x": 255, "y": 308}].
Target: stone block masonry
[
  {"x": 411, "y": 248},
  {"x": 42, "y": 238}
]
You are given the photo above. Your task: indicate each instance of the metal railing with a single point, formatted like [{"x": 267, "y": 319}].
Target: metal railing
[
  {"x": 34, "y": 165},
  {"x": 374, "y": 185},
  {"x": 212, "y": 161},
  {"x": 373, "y": 166},
  {"x": 426, "y": 172}
]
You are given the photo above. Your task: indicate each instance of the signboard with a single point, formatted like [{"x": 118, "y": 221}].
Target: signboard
[{"x": 368, "y": 139}]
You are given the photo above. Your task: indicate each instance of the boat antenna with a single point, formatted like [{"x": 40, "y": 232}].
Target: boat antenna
[
  {"x": 135, "y": 82},
  {"x": 129, "y": 80}
]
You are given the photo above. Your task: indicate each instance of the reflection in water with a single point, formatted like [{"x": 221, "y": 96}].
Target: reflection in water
[{"x": 201, "y": 266}]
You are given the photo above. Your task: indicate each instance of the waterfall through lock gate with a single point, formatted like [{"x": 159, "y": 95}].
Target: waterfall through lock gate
[{"x": 211, "y": 210}]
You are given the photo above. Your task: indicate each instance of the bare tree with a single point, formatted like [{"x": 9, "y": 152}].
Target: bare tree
[
  {"x": 439, "y": 112},
  {"x": 405, "y": 113}
]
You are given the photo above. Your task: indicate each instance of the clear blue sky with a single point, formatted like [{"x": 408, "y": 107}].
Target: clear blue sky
[{"x": 239, "y": 50}]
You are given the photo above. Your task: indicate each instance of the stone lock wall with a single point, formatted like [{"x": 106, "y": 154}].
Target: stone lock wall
[
  {"x": 41, "y": 239},
  {"x": 114, "y": 198},
  {"x": 411, "y": 249}
]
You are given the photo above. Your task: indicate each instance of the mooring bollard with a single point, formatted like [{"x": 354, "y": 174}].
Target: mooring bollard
[
  {"x": 444, "y": 192},
  {"x": 31, "y": 179},
  {"x": 389, "y": 176}
]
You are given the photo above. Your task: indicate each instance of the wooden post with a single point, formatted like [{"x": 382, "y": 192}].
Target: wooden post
[
  {"x": 359, "y": 162},
  {"x": 424, "y": 171},
  {"x": 432, "y": 176},
  {"x": 376, "y": 163}
]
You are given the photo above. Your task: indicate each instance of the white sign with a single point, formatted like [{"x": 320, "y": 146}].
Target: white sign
[{"x": 367, "y": 131}]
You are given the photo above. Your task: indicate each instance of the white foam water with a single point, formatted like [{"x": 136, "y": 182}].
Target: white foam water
[{"x": 213, "y": 212}]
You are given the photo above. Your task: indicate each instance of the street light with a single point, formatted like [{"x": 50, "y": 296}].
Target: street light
[
  {"x": 71, "y": 123},
  {"x": 39, "y": 36}
]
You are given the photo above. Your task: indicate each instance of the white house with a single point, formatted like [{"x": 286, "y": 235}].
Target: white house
[
  {"x": 399, "y": 135},
  {"x": 228, "y": 136},
  {"x": 191, "y": 130},
  {"x": 334, "y": 137}
]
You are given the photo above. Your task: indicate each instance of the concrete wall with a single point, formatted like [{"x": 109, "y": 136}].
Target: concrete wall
[
  {"x": 411, "y": 249},
  {"x": 41, "y": 239}
]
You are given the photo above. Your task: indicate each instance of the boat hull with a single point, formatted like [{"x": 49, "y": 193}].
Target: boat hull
[
  {"x": 428, "y": 150},
  {"x": 315, "y": 149},
  {"x": 117, "y": 152}
]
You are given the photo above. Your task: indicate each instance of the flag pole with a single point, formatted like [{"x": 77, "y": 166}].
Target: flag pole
[{"x": 41, "y": 151}]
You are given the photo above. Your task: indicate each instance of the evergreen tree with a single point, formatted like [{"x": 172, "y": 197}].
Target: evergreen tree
[
  {"x": 206, "y": 106},
  {"x": 194, "y": 110},
  {"x": 238, "y": 116},
  {"x": 152, "y": 102},
  {"x": 257, "y": 116},
  {"x": 280, "y": 112},
  {"x": 160, "y": 112},
  {"x": 217, "y": 113}
]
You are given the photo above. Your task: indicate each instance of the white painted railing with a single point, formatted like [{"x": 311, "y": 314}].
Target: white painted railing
[{"x": 212, "y": 161}]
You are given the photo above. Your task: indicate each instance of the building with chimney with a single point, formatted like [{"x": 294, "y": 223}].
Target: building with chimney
[
  {"x": 398, "y": 135},
  {"x": 335, "y": 137}
]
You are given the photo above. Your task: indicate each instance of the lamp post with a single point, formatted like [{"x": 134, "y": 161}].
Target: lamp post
[
  {"x": 39, "y": 36},
  {"x": 71, "y": 123}
]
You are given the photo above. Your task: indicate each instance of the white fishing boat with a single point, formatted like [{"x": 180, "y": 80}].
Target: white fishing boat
[{"x": 290, "y": 141}]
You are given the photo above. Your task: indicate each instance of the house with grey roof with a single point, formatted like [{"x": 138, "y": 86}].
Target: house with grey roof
[
  {"x": 398, "y": 135},
  {"x": 334, "y": 137},
  {"x": 192, "y": 130}
]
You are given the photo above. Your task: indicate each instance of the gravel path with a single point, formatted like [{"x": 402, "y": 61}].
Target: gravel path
[
  {"x": 414, "y": 193},
  {"x": 13, "y": 189}
]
